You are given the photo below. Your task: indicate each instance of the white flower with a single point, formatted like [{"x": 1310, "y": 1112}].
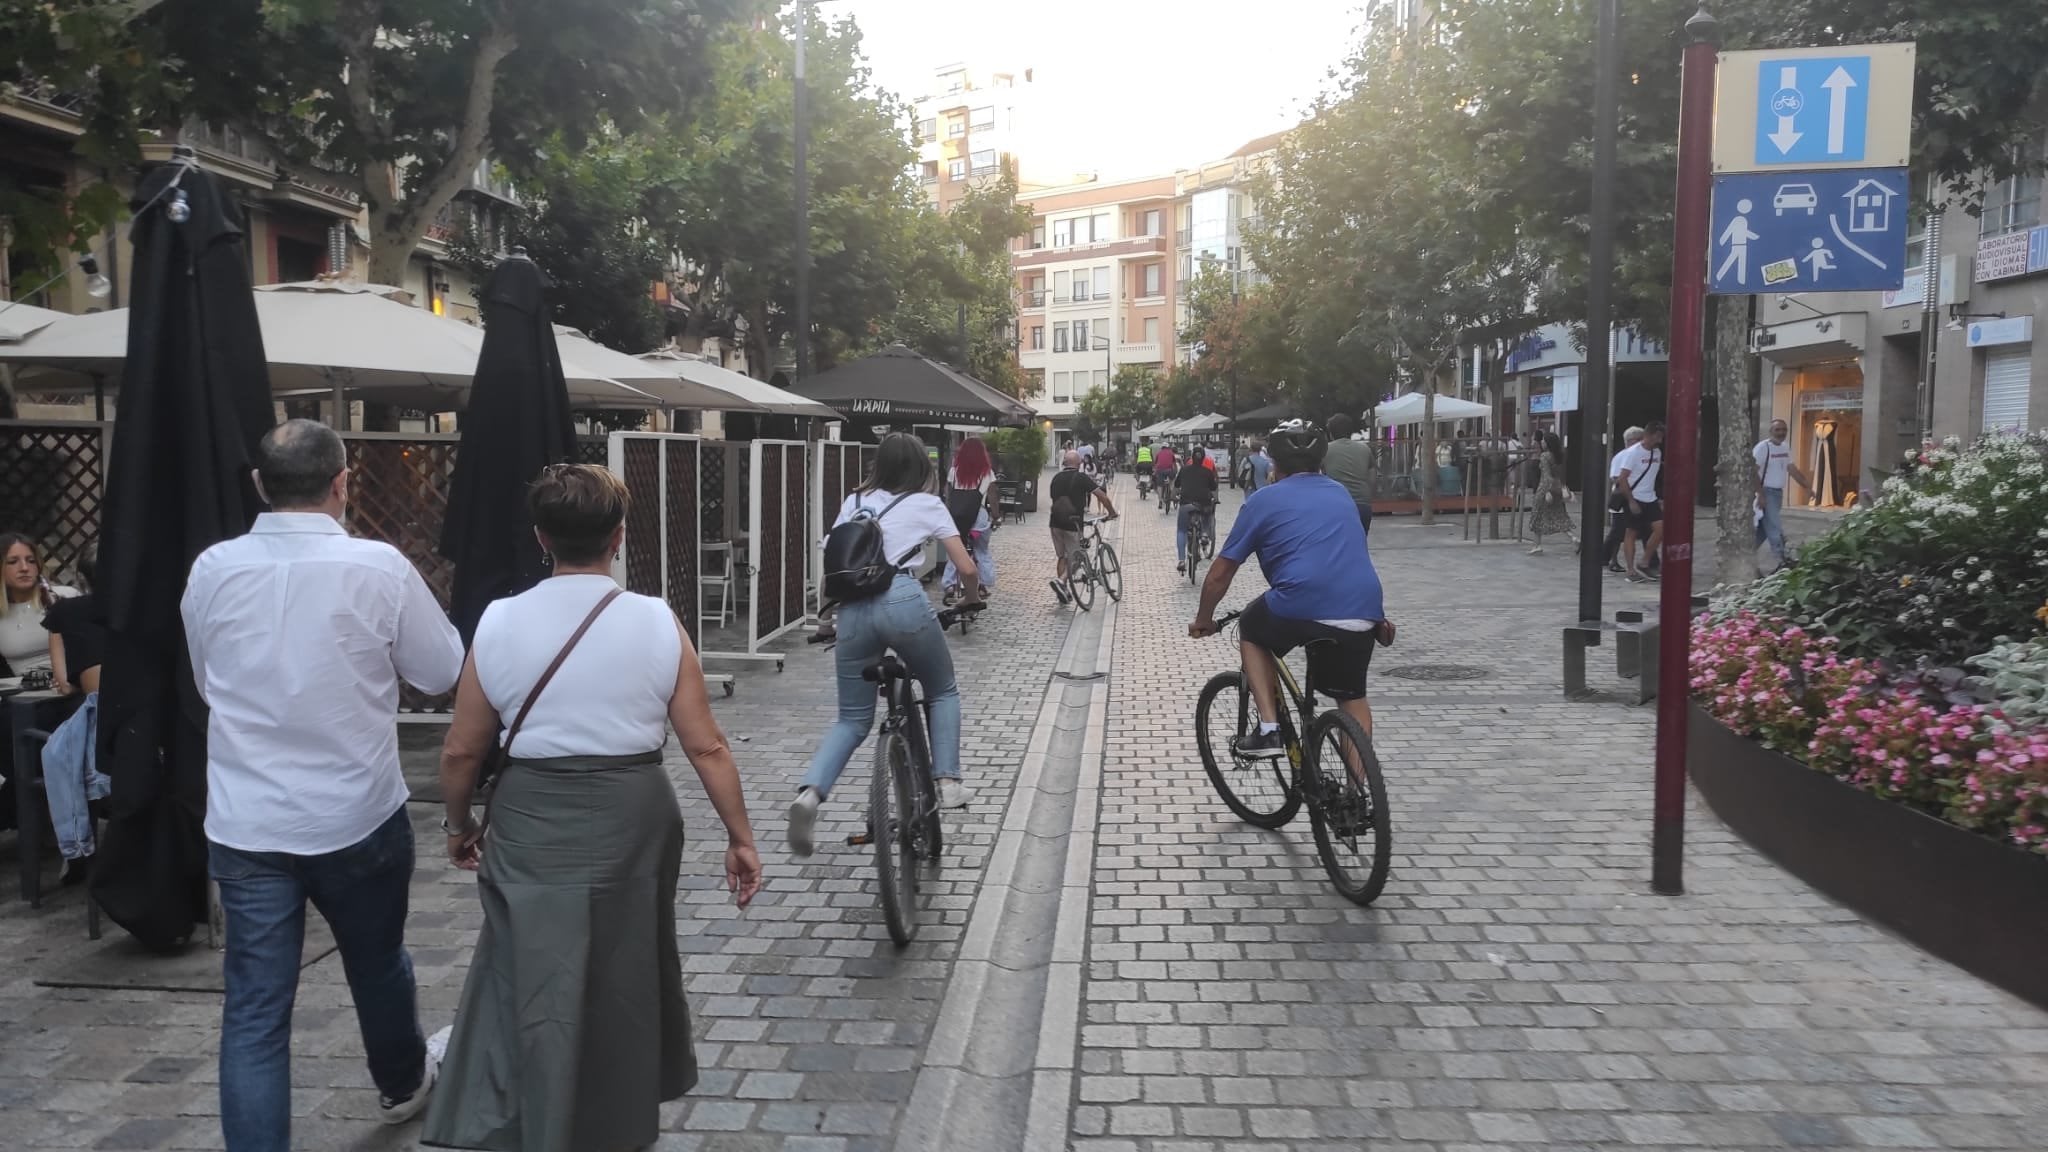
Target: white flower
[{"x": 1949, "y": 622}]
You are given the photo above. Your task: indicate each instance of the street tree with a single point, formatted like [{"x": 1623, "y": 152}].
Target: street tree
[{"x": 961, "y": 286}]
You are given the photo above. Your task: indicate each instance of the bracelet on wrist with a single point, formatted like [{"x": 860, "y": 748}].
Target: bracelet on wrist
[{"x": 468, "y": 825}]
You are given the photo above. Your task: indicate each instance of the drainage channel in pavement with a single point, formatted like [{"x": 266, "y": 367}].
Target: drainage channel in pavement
[{"x": 998, "y": 1073}]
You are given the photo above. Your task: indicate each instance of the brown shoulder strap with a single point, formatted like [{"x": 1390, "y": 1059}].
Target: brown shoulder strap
[{"x": 574, "y": 639}]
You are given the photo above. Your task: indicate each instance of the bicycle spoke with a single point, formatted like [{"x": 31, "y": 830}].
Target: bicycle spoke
[{"x": 1348, "y": 809}]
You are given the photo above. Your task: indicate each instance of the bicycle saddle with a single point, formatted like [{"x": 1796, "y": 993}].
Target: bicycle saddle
[{"x": 883, "y": 670}]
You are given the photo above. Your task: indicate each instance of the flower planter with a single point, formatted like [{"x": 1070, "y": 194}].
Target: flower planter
[{"x": 1975, "y": 902}]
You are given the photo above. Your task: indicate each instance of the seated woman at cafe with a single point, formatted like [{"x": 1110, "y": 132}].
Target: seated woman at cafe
[{"x": 24, "y": 643}]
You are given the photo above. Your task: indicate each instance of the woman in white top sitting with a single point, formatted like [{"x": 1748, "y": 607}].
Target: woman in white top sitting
[
  {"x": 973, "y": 472},
  {"x": 901, "y": 619},
  {"x": 24, "y": 643},
  {"x": 572, "y": 1029}
]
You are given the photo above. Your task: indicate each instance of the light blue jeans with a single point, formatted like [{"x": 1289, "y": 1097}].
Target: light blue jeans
[
  {"x": 984, "y": 558},
  {"x": 903, "y": 619},
  {"x": 1771, "y": 529},
  {"x": 72, "y": 779}
]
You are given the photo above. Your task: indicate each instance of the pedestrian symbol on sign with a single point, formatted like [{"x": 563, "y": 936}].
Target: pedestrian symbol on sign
[{"x": 1736, "y": 238}]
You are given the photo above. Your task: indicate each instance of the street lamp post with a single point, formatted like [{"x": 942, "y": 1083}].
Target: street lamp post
[{"x": 803, "y": 201}]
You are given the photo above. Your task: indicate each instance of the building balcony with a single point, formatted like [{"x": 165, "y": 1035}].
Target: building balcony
[
  {"x": 1033, "y": 301},
  {"x": 1139, "y": 353},
  {"x": 1120, "y": 249},
  {"x": 40, "y": 105},
  {"x": 1032, "y": 358}
]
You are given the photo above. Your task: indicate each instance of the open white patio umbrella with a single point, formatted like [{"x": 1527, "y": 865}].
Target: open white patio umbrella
[
  {"x": 1408, "y": 409},
  {"x": 18, "y": 321},
  {"x": 757, "y": 395},
  {"x": 354, "y": 340}
]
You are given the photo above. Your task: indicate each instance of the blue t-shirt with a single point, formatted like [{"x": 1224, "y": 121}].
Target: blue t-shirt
[{"x": 1311, "y": 546}]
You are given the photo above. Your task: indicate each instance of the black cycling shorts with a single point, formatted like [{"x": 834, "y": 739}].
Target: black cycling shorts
[{"x": 1337, "y": 659}]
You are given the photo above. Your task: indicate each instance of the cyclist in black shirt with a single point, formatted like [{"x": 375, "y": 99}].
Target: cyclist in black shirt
[{"x": 1195, "y": 487}]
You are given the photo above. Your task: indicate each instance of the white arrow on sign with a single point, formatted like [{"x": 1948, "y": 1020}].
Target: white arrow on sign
[
  {"x": 1785, "y": 137},
  {"x": 1838, "y": 84}
]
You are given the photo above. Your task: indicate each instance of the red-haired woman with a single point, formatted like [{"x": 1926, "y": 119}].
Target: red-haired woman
[{"x": 973, "y": 472}]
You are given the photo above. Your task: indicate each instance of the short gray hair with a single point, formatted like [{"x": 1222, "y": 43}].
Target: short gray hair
[
  {"x": 1633, "y": 434},
  {"x": 297, "y": 460}
]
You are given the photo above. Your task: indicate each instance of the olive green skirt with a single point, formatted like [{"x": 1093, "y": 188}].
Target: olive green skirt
[{"x": 572, "y": 1028}]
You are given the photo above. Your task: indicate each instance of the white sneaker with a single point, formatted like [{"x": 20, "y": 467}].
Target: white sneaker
[
  {"x": 803, "y": 816},
  {"x": 400, "y": 1111},
  {"x": 954, "y": 794}
]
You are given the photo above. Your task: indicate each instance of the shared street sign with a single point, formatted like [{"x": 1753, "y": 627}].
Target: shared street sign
[
  {"x": 1826, "y": 231},
  {"x": 1814, "y": 108}
]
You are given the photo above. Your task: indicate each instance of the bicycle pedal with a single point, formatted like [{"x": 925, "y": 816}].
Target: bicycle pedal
[{"x": 860, "y": 840}]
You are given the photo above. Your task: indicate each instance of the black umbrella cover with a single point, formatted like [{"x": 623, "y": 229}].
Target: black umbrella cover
[
  {"x": 195, "y": 399},
  {"x": 517, "y": 423}
]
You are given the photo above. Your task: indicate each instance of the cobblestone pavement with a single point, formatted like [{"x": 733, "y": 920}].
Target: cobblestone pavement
[
  {"x": 811, "y": 1023},
  {"x": 1517, "y": 986}
]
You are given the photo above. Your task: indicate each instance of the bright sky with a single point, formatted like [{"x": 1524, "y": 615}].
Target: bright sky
[{"x": 1128, "y": 87}]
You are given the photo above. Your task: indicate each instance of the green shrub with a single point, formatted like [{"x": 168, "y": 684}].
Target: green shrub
[
  {"x": 1022, "y": 450},
  {"x": 2016, "y": 679}
]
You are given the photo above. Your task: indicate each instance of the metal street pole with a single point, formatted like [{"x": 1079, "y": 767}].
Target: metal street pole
[
  {"x": 1593, "y": 453},
  {"x": 803, "y": 201},
  {"x": 1681, "y": 451}
]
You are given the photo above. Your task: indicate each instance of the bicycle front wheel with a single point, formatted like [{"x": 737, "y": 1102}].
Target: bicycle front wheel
[
  {"x": 1354, "y": 832},
  {"x": 1081, "y": 579},
  {"x": 1259, "y": 791},
  {"x": 1110, "y": 571},
  {"x": 891, "y": 812},
  {"x": 929, "y": 835}
]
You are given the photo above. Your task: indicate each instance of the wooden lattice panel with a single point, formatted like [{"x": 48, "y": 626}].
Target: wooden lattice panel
[
  {"x": 797, "y": 543},
  {"x": 682, "y": 511},
  {"x": 768, "y": 547},
  {"x": 398, "y": 493},
  {"x": 643, "y": 516},
  {"x": 52, "y": 482}
]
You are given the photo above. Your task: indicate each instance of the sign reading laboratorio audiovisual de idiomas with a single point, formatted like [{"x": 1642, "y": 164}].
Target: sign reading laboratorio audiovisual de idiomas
[{"x": 1811, "y": 147}]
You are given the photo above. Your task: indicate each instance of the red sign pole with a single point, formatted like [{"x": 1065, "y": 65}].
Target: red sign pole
[{"x": 1681, "y": 454}]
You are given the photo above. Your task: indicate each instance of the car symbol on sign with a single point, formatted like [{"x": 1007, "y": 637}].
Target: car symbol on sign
[{"x": 1795, "y": 196}]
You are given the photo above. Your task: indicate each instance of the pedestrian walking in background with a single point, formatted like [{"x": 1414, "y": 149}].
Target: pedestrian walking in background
[
  {"x": 1349, "y": 462},
  {"x": 1259, "y": 469},
  {"x": 1553, "y": 500},
  {"x": 1617, "y": 504},
  {"x": 573, "y": 1029},
  {"x": 299, "y": 634},
  {"x": 1773, "y": 467}
]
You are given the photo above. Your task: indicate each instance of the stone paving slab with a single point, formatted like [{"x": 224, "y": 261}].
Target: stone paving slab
[{"x": 1517, "y": 986}]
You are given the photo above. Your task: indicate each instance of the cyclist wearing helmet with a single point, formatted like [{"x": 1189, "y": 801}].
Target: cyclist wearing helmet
[{"x": 1305, "y": 530}]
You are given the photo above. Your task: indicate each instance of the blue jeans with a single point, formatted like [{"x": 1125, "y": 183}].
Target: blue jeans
[
  {"x": 362, "y": 892},
  {"x": 1771, "y": 529},
  {"x": 984, "y": 559},
  {"x": 1187, "y": 521},
  {"x": 901, "y": 618},
  {"x": 72, "y": 779}
]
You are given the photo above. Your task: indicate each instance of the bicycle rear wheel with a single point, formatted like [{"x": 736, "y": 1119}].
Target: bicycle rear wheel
[
  {"x": 930, "y": 835},
  {"x": 1110, "y": 570},
  {"x": 891, "y": 801},
  {"x": 1081, "y": 579},
  {"x": 1259, "y": 791},
  {"x": 1348, "y": 811}
]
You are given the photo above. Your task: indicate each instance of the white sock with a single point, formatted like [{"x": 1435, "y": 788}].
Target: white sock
[{"x": 1266, "y": 729}]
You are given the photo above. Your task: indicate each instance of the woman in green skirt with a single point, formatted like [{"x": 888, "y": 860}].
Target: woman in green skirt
[{"x": 572, "y": 1028}]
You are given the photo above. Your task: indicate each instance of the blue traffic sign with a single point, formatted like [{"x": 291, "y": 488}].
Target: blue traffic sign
[
  {"x": 1833, "y": 231},
  {"x": 1812, "y": 111}
]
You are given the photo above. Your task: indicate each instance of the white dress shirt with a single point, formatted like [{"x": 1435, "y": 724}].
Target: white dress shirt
[{"x": 299, "y": 634}]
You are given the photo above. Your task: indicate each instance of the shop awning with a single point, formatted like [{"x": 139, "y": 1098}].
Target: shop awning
[{"x": 896, "y": 385}]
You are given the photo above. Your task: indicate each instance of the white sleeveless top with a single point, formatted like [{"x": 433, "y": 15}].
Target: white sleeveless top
[{"x": 610, "y": 697}]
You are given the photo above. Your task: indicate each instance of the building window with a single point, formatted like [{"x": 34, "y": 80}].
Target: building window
[
  {"x": 1059, "y": 337},
  {"x": 955, "y": 126},
  {"x": 931, "y": 172},
  {"x": 1105, "y": 226},
  {"x": 1153, "y": 278},
  {"x": 956, "y": 170},
  {"x": 1081, "y": 284},
  {"x": 1080, "y": 336},
  {"x": 1038, "y": 235},
  {"x": 984, "y": 162},
  {"x": 1102, "y": 283},
  {"x": 2011, "y": 205},
  {"x": 1060, "y": 392},
  {"x": 1059, "y": 287},
  {"x": 1101, "y": 378},
  {"x": 982, "y": 118},
  {"x": 927, "y": 129},
  {"x": 1154, "y": 224},
  {"x": 1062, "y": 233},
  {"x": 1151, "y": 329},
  {"x": 1038, "y": 337}
]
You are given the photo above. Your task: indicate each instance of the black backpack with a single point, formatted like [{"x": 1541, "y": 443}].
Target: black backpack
[
  {"x": 856, "y": 568},
  {"x": 965, "y": 504}
]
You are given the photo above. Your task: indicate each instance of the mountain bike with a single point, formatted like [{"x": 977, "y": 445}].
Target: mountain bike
[
  {"x": 1166, "y": 492},
  {"x": 903, "y": 802},
  {"x": 1201, "y": 541},
  {"x": 1335, "y": 773},
  {"x": 1085, "y": 571}
]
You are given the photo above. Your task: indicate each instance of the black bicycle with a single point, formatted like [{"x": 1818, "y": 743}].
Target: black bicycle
[
  {"x": 1094, "y": 562},
  {"x": 1335, "y": 773},
  {"x": 903, "y": 802},
  {"x": 1201, "y": 540}
]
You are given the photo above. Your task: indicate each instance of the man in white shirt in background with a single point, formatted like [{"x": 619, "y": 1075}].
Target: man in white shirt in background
[
  {"x": 1773, "y": 467},
  {"x": 1617, "y": 504},
  {"x": 1638, "y": 471},
  {"x": 299, "y": 636}
]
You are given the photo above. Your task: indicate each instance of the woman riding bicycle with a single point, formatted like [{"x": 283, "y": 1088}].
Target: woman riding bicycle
[{"x": 901, "y": 619}]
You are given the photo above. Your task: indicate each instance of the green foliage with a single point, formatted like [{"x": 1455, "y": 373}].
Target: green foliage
[
  {"x": 2016, "y": 678},
  {"x": 962, "y": 259},
  {"x": 1022, "y": 450},
  {"x": 1132, "y": 398},
  {"x": 1952, "y": 556}
]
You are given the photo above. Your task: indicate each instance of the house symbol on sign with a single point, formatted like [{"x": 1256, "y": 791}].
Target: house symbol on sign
[{"x": 1870, "y": 207}]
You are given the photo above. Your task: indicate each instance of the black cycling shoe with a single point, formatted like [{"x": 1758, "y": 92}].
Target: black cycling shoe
[{"x": 1263, "y": 745}]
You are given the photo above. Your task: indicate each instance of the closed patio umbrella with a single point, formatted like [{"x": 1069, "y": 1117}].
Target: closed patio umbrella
[
  {"x": 517, "y": 423},
  {"x": 194, "y": 401}
]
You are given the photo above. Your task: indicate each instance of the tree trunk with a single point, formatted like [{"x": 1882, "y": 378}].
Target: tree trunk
[
  {"x": 1428, "y": 462},
  {"x": 1735, "y": 468}
]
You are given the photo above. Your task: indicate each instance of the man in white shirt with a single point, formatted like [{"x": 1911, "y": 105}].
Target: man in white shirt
[
  {"x": 299, "y": 636},
  {"x": 1636, "y": 479},
  {"x": 1773, "y": 467},
  {"x": 1617, "y": 504}
]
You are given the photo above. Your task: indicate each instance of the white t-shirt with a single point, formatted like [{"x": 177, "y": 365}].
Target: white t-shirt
[
  {"x": 920, "y": 516},
  {"x": 609, "y": 698},
  {"x": 24, "y": 642},
  {"x": 1774, "y": 461},
  {"x": 1614, "y": 466},
  {"x": 1642, "y": 465}
]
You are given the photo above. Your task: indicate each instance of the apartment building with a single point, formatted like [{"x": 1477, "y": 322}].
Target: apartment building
[
  {"x": 1096, "y": 288},
  {"x": 970, "y": 128},
  {"x": 1214, "y": 206},
  {"x": 1845, "y": 370}
]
